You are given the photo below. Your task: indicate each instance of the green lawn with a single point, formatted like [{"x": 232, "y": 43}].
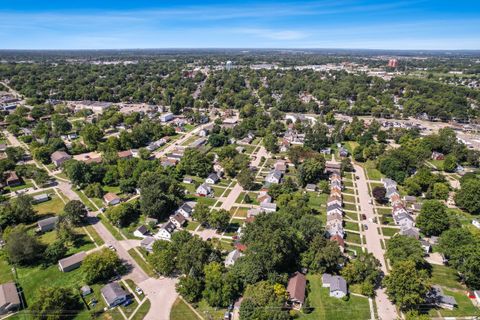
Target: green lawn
[
  {"x": 192, "y": 225},
  {"x": 348, "y": 191},
  {"x": 86, "y": 201},
  {"x": 27, "y": 184},
  {"x": 54, "y": 205},
  {"x": 351, "y": 226},
  {"x": 316, "y": 201},
  {"x": 382, "y": 211},
  {"x": 93, "y": 233},
  {"x": 352, "y": 215},
  {"x": 114, "y": 231},
  {"x": 465, "y": 306},
  {"x": 142, "y": 263},
  {"x": 348, "y": 198},
  {"x": 390, "y": 232},
  {"x": 437, "y": 163},
  {"x": 142, "y": 311},
  {"x": 349, "y": 206},
  {"x": 328, "y": 308},
  {"x": 372, "y": 172},
  {"x": 353, "y": 237},
  {"x": 445, "y": 277}
]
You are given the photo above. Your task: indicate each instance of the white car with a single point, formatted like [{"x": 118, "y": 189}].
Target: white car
[{"x": 138, "y": 290}]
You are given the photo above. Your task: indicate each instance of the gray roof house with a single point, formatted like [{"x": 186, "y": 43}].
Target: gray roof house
[
  {"x": 439, "y": 298},
  {"x": 232, "y": 257},
  {"x": 147, "y": 243},
  {"x": 41, "y": 198},
  {"x": 334, "y": 207},
  {"x": 204, "y": 190},
  {"x": 9, "y": 298},
  {"x": 114, "y": 294},
  {"x": 274, "y": 177},
  {"x": 186, "y": 210},
  {"x": 59, "y": 157},
  {"x": 268, "y": 207},
  {"x": 410, "y": 232},
  {"x": 337, "y": 285},
  {"x": 47, "y": 224},
  {"x": 70, "y": 263},
  {"x": 212, "y": 178}
]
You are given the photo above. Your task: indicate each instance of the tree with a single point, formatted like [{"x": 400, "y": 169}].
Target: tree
[
  {"x": 196, "y": 163},
  {"x": 246, "y": 179},
  {"x": 317, "y": 137},
  {"x": 163, "y": 257},
  {"x": 401, "y": 248},
  {"x": 160, "y": 194},
  {"x": 91, "y": 134},
  {"x": 219, "y": 219},
  {"x": 75, "y": 212},
  {"x": 406, "y": 285},
  {"x": 379, "y": 194},
  {"x": 54, "y": 303},
  {"x": 100, "y": 266},
  {"x": 94, "y": 190},
  {"x": 433, "y": 218},
  {"x": 122, "y": 215},
  {"x": 201, "y": 213},
  {"x": 450, "y": 163},
  {"x": 220, "y": 287},
  {"x": 311, "y": 170},
  {"x": 193, "y": 255},
  {"x": 55, "y": 251},
  {"x": 322, "y": 256},
  {"x": 21, "y": 247},
  {"x": 77, "y": 171},
  {"x": 17, "y": 210},
  {"x": 364, "y": 269},
  {"x": 270, "y": 142},
  {"x": 42, "y": 154},
  {"x": 190, "y": 288},
  {"x": 346, "y": 165},
  {"x": 440, "y": 191},
  {"x": 468, "y": 197}
]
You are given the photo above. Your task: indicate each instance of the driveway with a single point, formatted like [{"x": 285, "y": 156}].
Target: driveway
[{"x": 386, "y": 309}]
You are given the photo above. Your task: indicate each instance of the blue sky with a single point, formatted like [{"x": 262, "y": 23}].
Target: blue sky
[{"x": 117, "y": 24}]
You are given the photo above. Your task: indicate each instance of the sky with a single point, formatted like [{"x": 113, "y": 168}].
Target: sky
[{"x": 359, "y": 24}]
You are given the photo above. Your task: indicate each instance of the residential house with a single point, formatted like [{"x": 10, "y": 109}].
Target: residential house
[
  {"x": 268, "y": 207},
  {"x": 264, "y": 198},
  {"x": 410, "y": 232},
  {"x": 178, "y": 220},
  {"x": 111, "y": 199},
  {"x": 388, "y": 183},
  {"x": 187, "y": 180},
  {"x": 326, "y": 151},
  {"x": 311, "y": 187},
  {"x": 391, "y": 191},
  {"x": 186, "y": 209},
  {"x": 335, "y": 184},
  {"x": 12, "y": 179},
  {"x": 47, "y": 224},
  {"x": 114, "y": 294},
  {"x": 166, "y": 117},
  {"x": 165, "y": 231},
  {"x": 334, "y": 208},
  {"x": 426, "y": 246},
  {"x": 204, "y": 190},
  {"x": 334, "y": 229},
  {"x": 336, "y": 284},
  {"x": 280, "y": 166},
  {"x": 212, "y": 178},
  {"x": 198, "y": 143},
  {"x": 147, "y": 243},
  {"x": 334, "y": 199},
  {"x": 125, "y": 154},
  {"x": 9, "y": 298},
  {"x": 343, "y": 152},
  {"x": 39, "y": 198},
  {"x": 232, "y": 257},
  {"x": 141, "y": 232},
  {"x": 86, "y": 290},
  {"x": 203, "y": 133},
  {"x": 253, "y": 212},
  {"x": 440, "y": 299},
  {"x": 296, "y": 290},
  {"x": 339, "y": 240},
  {"x": 73, "y": 262},
  {"x": 333, "y": 167},
  {"x": 403, "y": 219},
  {"x": 477, "y": 295},
  {"x": 409, "y": 199},
  {"x": 59, "y": 157},
  {"x": 334, "y": 217},
  {"x": 274, "y": 177},
  {"x": 437, "y": 156}
]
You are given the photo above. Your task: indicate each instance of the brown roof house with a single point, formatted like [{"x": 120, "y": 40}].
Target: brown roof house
[
  {"x": 59, "y": 157},
  {"x": 296, "y": 290},
  {"x": 12, "y": 179},
  {"x": 9, "y": 299},
  {"x": 111, "y": 199}
]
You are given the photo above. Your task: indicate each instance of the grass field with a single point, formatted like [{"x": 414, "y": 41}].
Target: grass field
[
  {"x": 353, "y": 237},
  {"x": 54, "y": 205},
  {"x": 372, "y": 171},
  {"x": 142, "y": 263},
  {"x": 389, "y": 232},
  {"x": 349, "y": 206},
  {"x": 328, "y": 308},
  {"x": 348, "y": 198},
  {"x": 351, "y": 226},
  {"x": 445, "y": 277}
]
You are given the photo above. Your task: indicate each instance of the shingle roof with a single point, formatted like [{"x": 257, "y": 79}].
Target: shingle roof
[
  {"x": 336, "y": 283},
  {"x": 296, "y": 287},
  {"x": 47, "y": 221},
  {"x": 9, "y": 294},
  {"x": 112, "y": 291}
]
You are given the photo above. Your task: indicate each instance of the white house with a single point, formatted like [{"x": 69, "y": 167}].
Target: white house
[
  {"x": 166, "y": 117},
  {"x": 337, "y": 285},
  {"x": 186, "y": 209},
  {"x": 204, "y": 190},
  {"x": 141, "y": 232},
  {"x": 111, "y": 199},
  {"x": 274, "y": 177},
  {"x": 268, "y": 207},
  {"x": 177, "y": 219},
  {"x": 212, "y": 178},
  {"x": 232, "y": 257},
  {"x": 165, "y": 231}
]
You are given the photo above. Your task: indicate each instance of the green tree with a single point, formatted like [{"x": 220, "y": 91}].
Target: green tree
[
  {"x": 270, "y": 142},
  {"x": 468, "y": 197},
  {"x": 52, "y": 303},
  {"x": 322, "y": 256},
  {"x": 365, "y": 268},
  {"x": 160, "y": 194},
  {"x": 163, "y": 257},
  {"x": 219, "y": 219},
  {"x": 196, "y": 163},
  {"x": 17, "y": 210},
  {"x": 246, "y": 179},
  {"x": 433, "y": 218},
  {"x": 401, "y": 248},
  {"x": 91, "y": 134},
  {"x": 55, "y": 251},
  {"x": 311, "y": 170},
  {"x": 21, "y": 247},
  {"x": 201, "y": 213},
  {"x": 100, "y": 266},
  {"x": 94, "y": 190},
  {"x": 450, "y": 163},
  {"x": 220, "y": 289},
  {"x": 122, "y": 215},
  {"x": 317, "y": 137},
  {"x": 440, "y": 191},
  {"x": 75, "y": 212},
  {"x": 190, "y": 288},
  {"x": 406, "y": 285}
]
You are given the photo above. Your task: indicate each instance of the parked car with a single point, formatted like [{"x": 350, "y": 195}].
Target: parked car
[
  {"x": 138, "y": 290},
  {"x": 364, "y": 217},
  {"x": 365, "y": 226}
]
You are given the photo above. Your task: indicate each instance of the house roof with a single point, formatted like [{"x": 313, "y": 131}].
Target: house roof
[
  {"x": 268, "y": 205},
  {"x": 410, "y": 232},
  {"x": 9, "y": 294},
  {"x": 169, "y": 226},
  {"x": 11, "y": 176},
  {"x": 40, "y": 197},
  {"x": 213, "y": 176},
  {"x": 179, "y": 218},
  {"x": 311, "y": 186},
  {"x": 112, "y": 291},
  {"x": 186, "y": 207},
  {"x": 334, "y": 216},
  {"x": 124, "y": 154},
  {"x": 336, "y": 283},
  {"x": 47, "y": 221},
  {"x": 333, "y": 207},
  {"x": 109, "y": 197},
  {"x": 58, "y": 155},
  {"x": 72, "y": 260},
  {"x": 240, "y": 246},
  {"x": 338, "y": 240},
  {"x": 296, "y": 286},
  {"x": 142, "y": 229},
  {"x": 147, "y": 241}
]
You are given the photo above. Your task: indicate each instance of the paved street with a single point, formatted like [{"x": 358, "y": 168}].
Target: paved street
[{"x": 386, "y": 310}]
